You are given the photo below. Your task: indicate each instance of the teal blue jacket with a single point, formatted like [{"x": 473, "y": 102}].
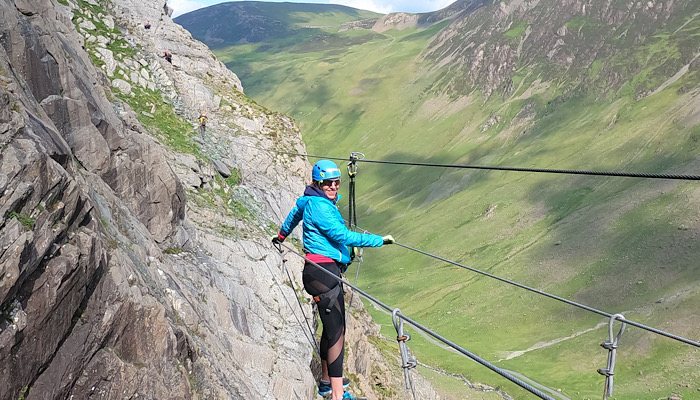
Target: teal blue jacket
[{"x": 324, "y": 229}]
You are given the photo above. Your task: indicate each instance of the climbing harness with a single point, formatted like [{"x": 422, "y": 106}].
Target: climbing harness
[
  {"x": 611, "y": 345},
  {"x": 402, "y": 338},
  {"x": 329, "y": 299}
]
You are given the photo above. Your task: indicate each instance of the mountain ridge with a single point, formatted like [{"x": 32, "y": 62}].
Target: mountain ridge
[{"x": 257, "y": 21}]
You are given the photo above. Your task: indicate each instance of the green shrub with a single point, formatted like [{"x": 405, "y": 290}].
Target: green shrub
[{"x": 25, "y": 220}]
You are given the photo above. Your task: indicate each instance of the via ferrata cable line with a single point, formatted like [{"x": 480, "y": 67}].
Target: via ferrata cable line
[
  {"x": 513, "y": 169},
  {"x": 558, "y": 171},
  {"x": 610, "y": 345},
  {"x": 422, "y": 328},
  {"x": 552, "y": 296}
]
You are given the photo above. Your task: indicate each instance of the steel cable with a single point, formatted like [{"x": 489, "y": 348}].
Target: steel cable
[
  {"x": 558, "y": 298},
  {"x": 555, "y": 297},
  {"x": 517, "y": 169}
]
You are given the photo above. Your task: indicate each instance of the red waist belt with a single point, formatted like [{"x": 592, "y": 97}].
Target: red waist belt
[{"x": 318, "y": 258}]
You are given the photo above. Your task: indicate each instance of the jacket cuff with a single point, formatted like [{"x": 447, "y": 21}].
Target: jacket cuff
[{"x": 281, "y": 236}]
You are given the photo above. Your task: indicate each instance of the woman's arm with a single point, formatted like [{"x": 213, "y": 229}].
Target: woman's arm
[{"x": 328, "y": 220}]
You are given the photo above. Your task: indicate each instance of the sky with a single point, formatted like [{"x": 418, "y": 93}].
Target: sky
[{"x": 381, "y": 6}]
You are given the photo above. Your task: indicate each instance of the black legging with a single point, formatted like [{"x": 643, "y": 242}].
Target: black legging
[{"x": 332, "y": 313}]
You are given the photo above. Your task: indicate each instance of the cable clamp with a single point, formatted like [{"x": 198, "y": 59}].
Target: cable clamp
[
  {"x": 410, "y": 364},
  {"x": 404, "y": 338},
  {"x": 608, "y": 345},
  {"x": 605, "y": 371}
]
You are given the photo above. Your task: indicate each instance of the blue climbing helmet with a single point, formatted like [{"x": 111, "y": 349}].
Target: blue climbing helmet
[{"x": 325, "y": 169}]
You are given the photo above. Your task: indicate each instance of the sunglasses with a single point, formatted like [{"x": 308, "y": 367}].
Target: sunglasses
[{"x": 330, "y": 182}]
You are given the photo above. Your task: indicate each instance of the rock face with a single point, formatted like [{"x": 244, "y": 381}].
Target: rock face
[
  {"x": 94, "y": 299},
  {"x": 130, "y": 264}
]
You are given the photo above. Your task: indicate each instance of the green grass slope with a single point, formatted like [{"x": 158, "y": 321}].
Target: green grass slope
[{"x": 625, "y": 103}]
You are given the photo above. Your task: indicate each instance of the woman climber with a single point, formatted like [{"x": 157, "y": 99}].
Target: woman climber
[{"x": 325, "y": 241}]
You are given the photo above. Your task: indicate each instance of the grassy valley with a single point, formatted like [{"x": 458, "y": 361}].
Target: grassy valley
[{"x": 628, "y": 100}]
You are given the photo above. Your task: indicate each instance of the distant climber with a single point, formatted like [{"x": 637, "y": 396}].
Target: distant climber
[
  {"x": 202, "y": 122},
  {"x": 168, "y": 56},
  {"x": 147, "y": 25}
]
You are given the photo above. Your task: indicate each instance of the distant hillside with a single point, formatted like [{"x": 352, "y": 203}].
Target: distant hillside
[
  {"x": 595, "y": 47},
  {"x": 242, "y": 22},
  {"x": 604, "y": 85}
]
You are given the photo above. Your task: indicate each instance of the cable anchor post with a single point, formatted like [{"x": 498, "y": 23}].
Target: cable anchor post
[
  {"x": 402, "y": 338},
  {"x": 611, "y": 345}
]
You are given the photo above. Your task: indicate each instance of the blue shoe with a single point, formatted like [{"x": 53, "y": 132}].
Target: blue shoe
[
  {"x": 324, "y": 390},
  {"x": 348, "y": 396},
  {"x": 324, "y": 387}
]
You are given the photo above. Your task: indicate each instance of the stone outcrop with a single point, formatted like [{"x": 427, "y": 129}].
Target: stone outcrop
[
  {"x": 134, "y": 257},
  {"x": 398, "y": 21}
]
